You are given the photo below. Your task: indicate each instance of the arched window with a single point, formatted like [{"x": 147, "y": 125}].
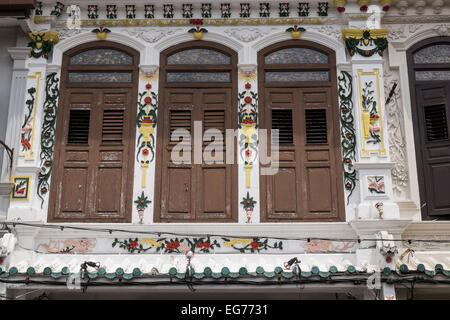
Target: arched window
[
  {"x": 298, "y": 97},
  {"x": 197, "y": 85},
  {"x": 429, "y": 75},
  {"x": 92, "y": 175}
]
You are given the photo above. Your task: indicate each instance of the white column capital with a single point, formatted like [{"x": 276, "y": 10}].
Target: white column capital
[{"x": 19, "y": 55}]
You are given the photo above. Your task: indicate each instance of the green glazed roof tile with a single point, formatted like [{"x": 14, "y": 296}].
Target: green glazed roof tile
[
  {"x": 207, "y": 271},
  {"x": 110, "y": 275},
  {"x": 421, "y": 268},
  {"x": 56, "y": 275},
  {"x": 287, "y": 275},
  {"x": 30, "y": 271},
  {"x": 216, "y": 275},
  {"x": 351, "y": 269},
  {"x": 119, "y": 271},
  {"x": 47, "y": 271},
  {"x": 13, "y": 271},
  {"x": 259, "y": 270},
  {"x": 324, "y": 274},
  {"x": 438, "y": 267},
  {"x": 306, "y": 274},
  {"x": 315, "y": 270},
  {"x": 101, "y": 271},
  {"x": 181, "y": 276},
  {"x": 4, "y": 274},
  {"x": 387, "y": 270},
  {"x": 430, "y": 273},
  {"x": 136, "y": 272},
  {"x": 173, "y": 271},
  {"x": 128, "y": 276},
  {"x": 225, "y": 271},
  {"x": 269, "y": 274},
  {"x": 278, "y": 270},
  {"x": 92, "y": 275},
  {"x": 199, "y": 275},
  {"x": 65, "y": 270},
  {"x": 234, "y": 275},
  {"x": 243, "y": 271},
  {"x": 333, "y": 269},
  {"x": 404, "y": 268}
]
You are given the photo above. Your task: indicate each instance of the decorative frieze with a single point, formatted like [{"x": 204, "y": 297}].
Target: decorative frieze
[
  {"x": 130, "y": 11},
  {"x": 93, "y": 11},
  {"x": 206, "y": 10},
  {"x": 303, "y": 9},
  {"x": 111, "y": 11},
  {"x": 149, "y": 11}
]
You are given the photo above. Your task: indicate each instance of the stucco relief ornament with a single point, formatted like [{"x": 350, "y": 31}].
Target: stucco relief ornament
[
  {"x": 187, "y": 10},
  {"x": 249, "y": 205},
  {"x": 284, "y": 9},
  {"x": 42, "y": 43},
  {"x": 206, "y": 10},
  {"x": 376, "y": 184},
  {"x": 296, "y": 31},
  {"x": 142, "y": 203},
  {"x": 375, "y": 41},
  {"x": 379, "y": 206},
  {"x": 168, "y": 11},
  {"x": 150, "y": 35},
  {"x": 93, "y": 11},
  {"x": 264, "y": 10},
  {"x": 442, "y": 30},
  {"x": 130, "y": 11},
  {"x": 101, "y": 33},
  {"x": 246, "y": 34},
  {"x": 322, "y": 9},
  {"x": 197, "y": 32},
  {"x": 111, "y": 11},
  {"x": 149, "y": 11},
  {"x": 303, "y": 9},
  {"x": 225, "y": 9},
  {"x": 57, "y": 9},
  {"x": 245, "y": 10}
]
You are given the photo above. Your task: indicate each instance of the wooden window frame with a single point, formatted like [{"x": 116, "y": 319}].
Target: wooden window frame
[
  {"x": 162, "y": 110},
  {"x": 332, "y": 84},
  {"x": 59, "y": 133},
  {"x": 412, "y": 68}
]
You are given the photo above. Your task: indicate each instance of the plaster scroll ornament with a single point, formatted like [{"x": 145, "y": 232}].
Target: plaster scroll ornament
[
  {"x": 442, "y": 30},
  {"x": 150, "y": 35},
  {"x": 284, "y": 9},
  {"x": 328, "y": 31},
  {"x": 68, "y": 33},
  {"x": 246, "y": 34}
]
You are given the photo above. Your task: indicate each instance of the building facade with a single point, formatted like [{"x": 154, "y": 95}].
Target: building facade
[{"x": 103, "y": 97}]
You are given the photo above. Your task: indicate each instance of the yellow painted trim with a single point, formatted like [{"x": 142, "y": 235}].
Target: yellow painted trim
[
  {"x": 363, "y": 2},
  {"x": 381, "y": 151},
  {"x": 358, "y": 33},
  {"x": 28, "y": 188},
  {"x": 185, "y": 22},
  {"x": 51, "y": 36},
  {"x": 340, "y": 3},
  {"x": 154, "y": 76},
  {"x": 37, "y": 76}
]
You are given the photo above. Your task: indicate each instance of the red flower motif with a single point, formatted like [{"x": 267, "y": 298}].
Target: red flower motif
[
  {"x": 367, "y": 52},
  {"x": 148, "y": 100},
  {"x": 248, "y": 86},
  {"x": 173, "y": 245},
  {"x": 386, "y": 8},
  {"x": 363, "y": 8},
  {"x": 248, "y": 153},
  {"x": 199, "y": 245},
  {"x": 25, "y": 143},
  {"x": 254, "y": 244},
  {"x": 248, "y": 100},
  {"x": 133, "y": 243},
  {"x": 206, "y": 244},
  {"x": 196, "y": 21},
  {"x": 248, "y": 121},
  {"x": 148, "y": 86},
  {"x": 145, "y": 152},
  {"x": 50, "y": 109},
  {"x": 44, "y": 190},
  {"x": 341, "y": 9}
]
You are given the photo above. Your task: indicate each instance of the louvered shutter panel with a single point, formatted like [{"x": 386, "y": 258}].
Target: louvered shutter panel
[
  {"x": 282, "y": 121},
  {"x": 316, "y": 126},
  {"x": 78, "y": 127},
  {"x": 213, "y": 119},
  {"x": 112, "y": 130},
  {"x": 436, "y": 123},
  {"x": 179, "y": 119}
]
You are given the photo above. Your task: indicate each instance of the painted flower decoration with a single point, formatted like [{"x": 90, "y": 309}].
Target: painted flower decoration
[
  {"x": 248, "y": 99},
  {"x": 145, "y": 152},
  {"x": 254, "y": 244},
  {"x": 148, "y": 100},
  {"x": 101, "y": 30},
  {"x": 248, "y": 201},
  {"x": 295, "y": 29},
  {"x": 142, "y": 201},
  {"x": 248, "y": 86}
]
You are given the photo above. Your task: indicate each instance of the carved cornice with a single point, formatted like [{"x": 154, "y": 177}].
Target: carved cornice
[{"x": 359, "y": 33}]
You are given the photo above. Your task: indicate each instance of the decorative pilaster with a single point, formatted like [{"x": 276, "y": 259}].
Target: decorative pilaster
[
  {"x": 248, "y": 123},
  {"x": 366, "y": 47}
]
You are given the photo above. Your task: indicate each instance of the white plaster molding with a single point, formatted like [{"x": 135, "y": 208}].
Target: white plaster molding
[
  {"x": 427, "y": 228},
  {"x": 51, "y": 68},
  {"x": 248, "y": 34},
  {"x": 185, "y": 37},
  {"x": 403, "y": 37},
  {"x": 5, "y": 188},
  {"x": 247, "y": 67},
  {"x": 374, "y": 165},
  {"x": 371, "y": 227},
  {"x": 150, "y": 35},
  {"x": 149, "y": 68},
  {"x": 68, "y": 33},
  {"x": 19, "y": 55},
  {"x": 310, "y": 35},
  {"x": 81, "y": 38}
]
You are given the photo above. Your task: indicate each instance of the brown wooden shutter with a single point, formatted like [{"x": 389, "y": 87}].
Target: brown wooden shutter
[
  {"x": 307, "y": 184},
  {"x": 195, "y": 192},
  {"x": 92, "y": 177},
  {"x": 433, "y": 104}
]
